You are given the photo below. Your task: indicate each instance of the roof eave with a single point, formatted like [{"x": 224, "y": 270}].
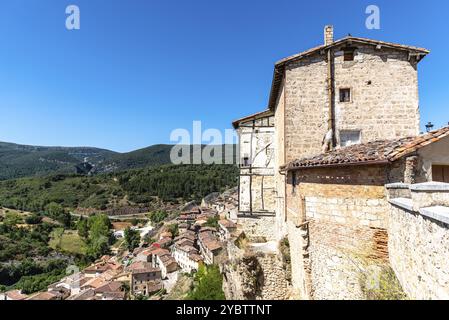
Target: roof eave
[{"x": 336, "y": 165}]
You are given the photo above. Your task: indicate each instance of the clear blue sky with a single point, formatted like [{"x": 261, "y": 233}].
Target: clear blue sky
[{"x": 138, "y": 69}]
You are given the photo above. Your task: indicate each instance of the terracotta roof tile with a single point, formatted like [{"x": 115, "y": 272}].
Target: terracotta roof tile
[{"x": 381, "y": 151}]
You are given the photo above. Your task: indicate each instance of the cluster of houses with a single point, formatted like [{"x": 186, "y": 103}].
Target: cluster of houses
[
  {"x": 103, "y": 280},
  {"x": 150, "y": 270}
]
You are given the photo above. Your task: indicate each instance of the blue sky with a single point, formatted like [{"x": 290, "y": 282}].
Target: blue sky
[{"x": 138, "y": 69}]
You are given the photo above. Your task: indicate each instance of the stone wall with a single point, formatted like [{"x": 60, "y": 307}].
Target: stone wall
[
  {"x": 347, "y": 195},
  {"x": 337, "y": 228},
  {"x": 254, "y": 275},
  {"x": 258, "y": 227},
  {"x": 419, "y": 240},
  {"x": 340, "y": 255}
]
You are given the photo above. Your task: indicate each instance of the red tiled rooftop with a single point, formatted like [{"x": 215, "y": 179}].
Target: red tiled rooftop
[{"x": 381, "y": 151}]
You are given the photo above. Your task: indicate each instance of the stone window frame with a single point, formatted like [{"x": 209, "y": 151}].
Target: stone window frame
[
  {"x": 351, "y": 94},
  {"x": 350, "y": 130}
]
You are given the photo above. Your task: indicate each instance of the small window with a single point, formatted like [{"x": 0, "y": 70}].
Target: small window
[
  {"x": 345, "y": 95},
  {"x": 349, "y": 138},
  {"x": 348, "y": 54},
  {"x": 245, "y": 162},
  {"x": 294, "y": 181},
  {"x": 440, "y": 173}
]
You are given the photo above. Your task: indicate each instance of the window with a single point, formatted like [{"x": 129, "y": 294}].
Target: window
[
  {"x": 440, "y": 173},
  {"x": 348, "y": 54},
  {"x": 348, "y": 138},
  {"x": 245, "y": 161},
  {"x": 294, "y": 181},
  {"x": 345, "y": 95}
]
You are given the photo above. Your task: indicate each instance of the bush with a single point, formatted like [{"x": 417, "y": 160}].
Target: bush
[
  {"x": 33, "y": 219},
  {"x": 208, "y": 284}
]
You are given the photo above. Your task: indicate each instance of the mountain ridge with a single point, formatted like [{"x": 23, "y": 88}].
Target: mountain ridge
[{"x": 19, "y": 161}]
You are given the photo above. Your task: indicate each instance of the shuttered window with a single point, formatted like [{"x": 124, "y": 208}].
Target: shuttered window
[{"x": 440, "y": 173}]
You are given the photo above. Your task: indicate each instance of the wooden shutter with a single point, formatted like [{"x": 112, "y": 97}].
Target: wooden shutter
[{"x": 440, "y": 173}]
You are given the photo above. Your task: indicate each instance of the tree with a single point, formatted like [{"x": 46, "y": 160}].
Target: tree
[
  {"x": 158, "y": 216},
  {"x": 83, "y": 228},
  {"x": 173, "y": 229},
  {"x": 57, "y": 212},
  {"x": 33, "y": 219},
  {"x": 208, "y": 284},
  {"x": 212, "y": 222},
  {"x": 99, "y": 235},
  {"x": 132, "y": 238}
]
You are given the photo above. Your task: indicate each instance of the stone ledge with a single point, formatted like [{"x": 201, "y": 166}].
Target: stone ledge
[
  {"x": 430, "y": 186},
  {"x": 404, "y": 203},
  {"x": 398, "y": 185},
  {"x": 438, "y": 213}
]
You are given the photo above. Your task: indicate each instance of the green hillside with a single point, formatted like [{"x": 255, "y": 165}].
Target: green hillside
[
  {"x": 18, "y": 161},
  {"x": 106, "y": 191},
  {"x": 21, "y": 161}
]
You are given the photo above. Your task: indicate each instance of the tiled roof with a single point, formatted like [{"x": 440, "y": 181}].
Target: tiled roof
[
  {"x": 381, "y": 151},
  {"x": 195, "y": 257},
  {"x": 16, "y": 295},
  {"x": 209, "y": 241},
  {"x": 227, "y": 223},
  {"x": 43, "y": 296},
  {"x": 142, "y": 267},
  {"x": 113, "y": 286},
  {"x": 161, "y": 252},
  {"x": 257, "y": 115}
]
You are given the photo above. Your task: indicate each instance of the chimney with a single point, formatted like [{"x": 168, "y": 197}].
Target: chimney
[{"x": 328, "y": 34}]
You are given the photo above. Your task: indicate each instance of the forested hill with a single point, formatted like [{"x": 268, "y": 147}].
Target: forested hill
[
  {"x": 170, "y": 183},
  {"x": 21, "y": 160},
  {"x": 17, "y": 161}
]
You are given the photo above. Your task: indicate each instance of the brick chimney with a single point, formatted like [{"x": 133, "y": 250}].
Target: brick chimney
[{"x": 328, "y": 34}]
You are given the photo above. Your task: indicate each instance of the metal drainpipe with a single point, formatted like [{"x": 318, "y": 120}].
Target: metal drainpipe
[{"x": 331, "y": 94}]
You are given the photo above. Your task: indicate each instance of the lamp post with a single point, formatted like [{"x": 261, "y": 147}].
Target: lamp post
[{"x": 429, "y": 126}]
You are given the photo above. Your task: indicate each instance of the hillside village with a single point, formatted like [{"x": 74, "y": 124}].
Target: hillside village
[
  {"x": 340, "y": 196},
  {"x": 150, "y": 271}
]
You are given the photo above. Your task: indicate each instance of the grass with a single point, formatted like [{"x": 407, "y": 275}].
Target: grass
[
  {"x": 67, "y": 241},
  {"x": 4, "y": 211}
]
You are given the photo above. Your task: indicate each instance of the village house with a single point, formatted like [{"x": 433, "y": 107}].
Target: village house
[
  {"x": 342, "y": 121},
  {"x": 111, "y": 291},
  {"x": 187, "y": 256},
  {"x": 145, "y": 279},
  {"x": 165, "y": 243},
  {"x": 102, "y": 266},
  {"x": 161, "y": 258},
  {"x": 210, "y": 247},
  {"x": 13, "y": 295},
  {"x": 226, "y": 229},
  {"x": 145, "y": 255}
]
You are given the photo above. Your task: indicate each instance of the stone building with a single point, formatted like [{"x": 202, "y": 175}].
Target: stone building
[
  {"x": 256, "y": 149},
  {"x": 337, "y": 202},
  {"x": 145, "y": 278},
  {"x": 345, "y": 123}
]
